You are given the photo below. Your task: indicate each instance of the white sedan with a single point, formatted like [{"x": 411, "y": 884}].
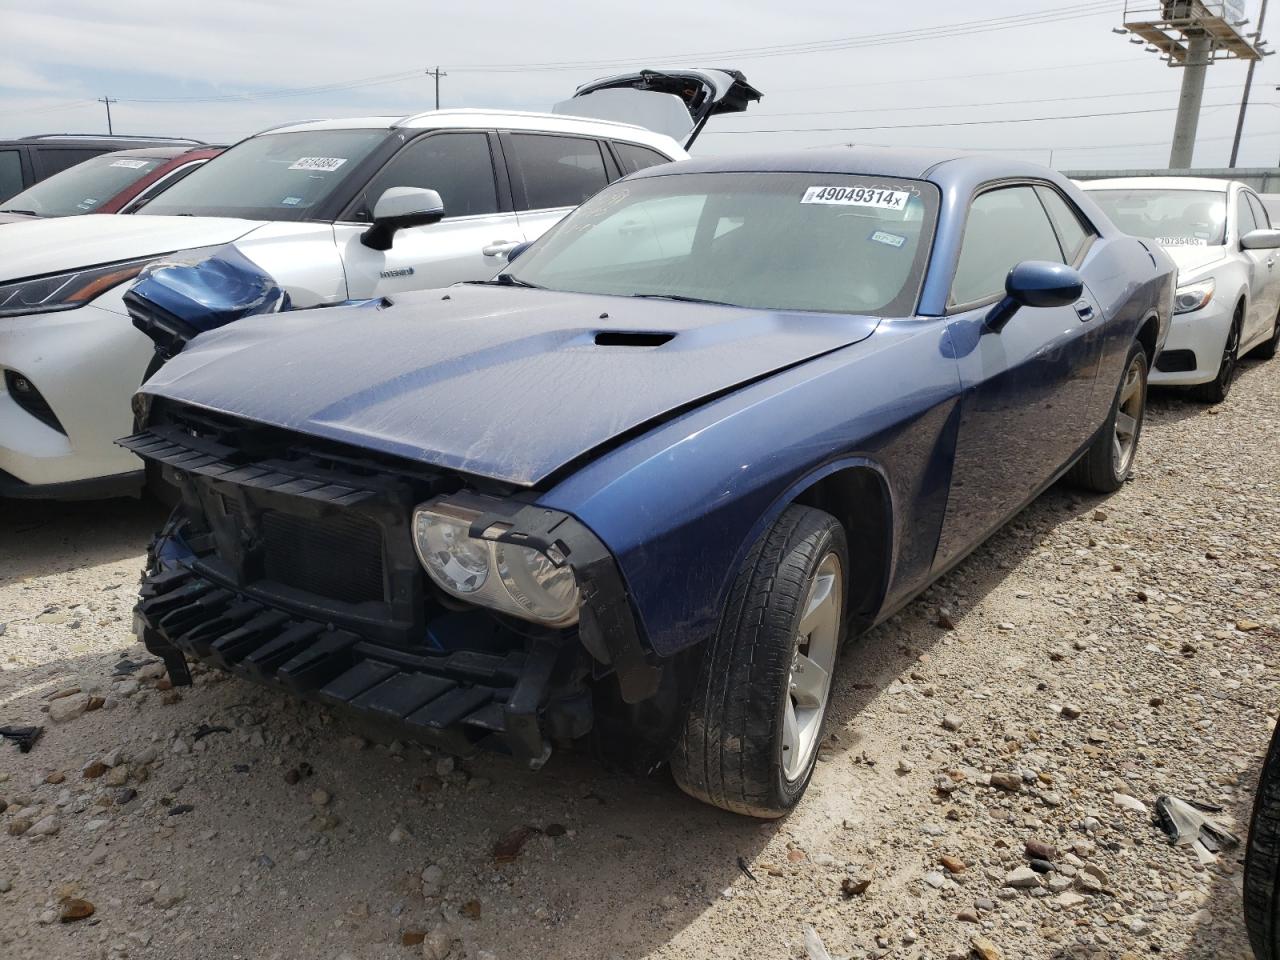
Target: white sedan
[{"x": 1228, "y": 301}]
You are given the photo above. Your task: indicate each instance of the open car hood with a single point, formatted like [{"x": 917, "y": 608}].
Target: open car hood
[
  {"x": 676, "y": 102},
  {"x": 510, "y": 384}
]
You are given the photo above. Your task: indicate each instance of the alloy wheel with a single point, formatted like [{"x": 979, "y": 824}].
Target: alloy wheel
[
  {"x": 1228, "y": 368},
  {"x": 809, "y": 683},
  {"x": 1128, "y": 420}
]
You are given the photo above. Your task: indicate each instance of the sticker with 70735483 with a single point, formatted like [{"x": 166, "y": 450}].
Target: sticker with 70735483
[{"x": 858, "y": 197}]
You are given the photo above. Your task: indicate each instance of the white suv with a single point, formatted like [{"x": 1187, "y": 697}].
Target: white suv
[{"x": 333, "y": 210}]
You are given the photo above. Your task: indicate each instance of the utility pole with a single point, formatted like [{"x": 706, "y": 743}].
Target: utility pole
[
  {"x": 1184, "y": 128},
  {"x": 1189, "y": 35},
  {"x": 437, "y": 73},
  {"x": 1248, "y": 85},
  {"x": 108, "y": 101}
]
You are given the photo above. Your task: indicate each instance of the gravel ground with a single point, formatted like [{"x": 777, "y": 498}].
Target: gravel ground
[{"x": 1093, "y": 655}]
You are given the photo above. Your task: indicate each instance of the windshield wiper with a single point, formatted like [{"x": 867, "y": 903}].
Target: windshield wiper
[
  {"x": 505, "y": 280},
  {"x": 680, "y": 298},
  {"x": 29, "y": 213}
]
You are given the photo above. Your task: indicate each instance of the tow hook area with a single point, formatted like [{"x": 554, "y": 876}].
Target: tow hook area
[{"x": 459, "y": 701}]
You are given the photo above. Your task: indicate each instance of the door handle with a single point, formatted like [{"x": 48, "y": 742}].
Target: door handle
[
  {"x": 1084, "y": 310},
  {"x": 499, "y": 248}
]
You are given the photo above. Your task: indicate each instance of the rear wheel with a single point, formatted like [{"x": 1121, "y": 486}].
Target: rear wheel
[
  {"x": 1107, "y": 463},
  {"x": 754, "y": 723},
  {"x": 1262, "y": 863},
  {"x": 1271, "y": 346},
  {"x": 1216, "y": 390}
]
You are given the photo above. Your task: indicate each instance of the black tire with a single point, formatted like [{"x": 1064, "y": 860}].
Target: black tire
[
  {"x": 1270, "y": 348},
  {"x": 729, "y": 753},
  {"x": 1098, "y": 469},
  {"x": 1216, "y": 390},
  {"x": 1262, "y": 862}
]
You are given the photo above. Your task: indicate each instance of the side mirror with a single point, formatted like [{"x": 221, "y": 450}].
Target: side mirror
[
  {"x": 401, "y": 207},
  {"x": 1036, "y": 283},
  {"x": 1260, "y": 240}
]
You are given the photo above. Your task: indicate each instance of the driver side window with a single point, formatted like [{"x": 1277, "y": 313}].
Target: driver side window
[
  {"x": 458, "y": 166},
  {"x": 1004, "y": 227}
]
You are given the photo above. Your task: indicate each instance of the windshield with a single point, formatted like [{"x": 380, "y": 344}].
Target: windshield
[
  {"x": 276, "y": 176},
  {"x": 1172, "y": 218},
  {"x": 774, "y": 241},
  {"x": 82, "y": 188}
]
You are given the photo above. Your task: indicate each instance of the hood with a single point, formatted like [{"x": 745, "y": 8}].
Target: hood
[
  {"x": 1192, "y": 259},
  {"x": 510, "y": 384},
  {"x": 57, "y": 244}
]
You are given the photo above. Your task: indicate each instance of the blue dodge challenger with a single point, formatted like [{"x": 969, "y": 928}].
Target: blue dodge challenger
[{"x": 642, "y": 485}]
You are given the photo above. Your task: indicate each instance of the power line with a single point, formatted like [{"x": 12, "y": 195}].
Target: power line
[
  {"x": 860, "y": 84},
  {"x": 959, "y": 123},
  {"x": 940, "y": 31},
  {"x": 953, "y": 106}
]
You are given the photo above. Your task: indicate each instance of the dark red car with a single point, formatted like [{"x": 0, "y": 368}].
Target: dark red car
[{"x": 118, "y": 182}]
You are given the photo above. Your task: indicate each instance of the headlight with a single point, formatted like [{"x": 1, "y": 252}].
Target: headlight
[
  {"x": 522, "y": 581},
  {"x": 1192, "y": 296},
  {"x": 65, "y": 291}
]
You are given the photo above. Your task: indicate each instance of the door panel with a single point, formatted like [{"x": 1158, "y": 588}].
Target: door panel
[
  {"x": 1268, "y": 291},
  {"x": 1026, "y": 389},
  {"x": 435, "y": 255}
]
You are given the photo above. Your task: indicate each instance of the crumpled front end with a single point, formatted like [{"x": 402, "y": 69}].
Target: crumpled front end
[{"x": 292, "y": 562}]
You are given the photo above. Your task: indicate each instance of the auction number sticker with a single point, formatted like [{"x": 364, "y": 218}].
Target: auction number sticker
[
  {"x": 1182, "y": 241},
  {"x": 858, "y": 197},
  {"x": 129, "y": 164},
  {"x": 318, "y": 164}
]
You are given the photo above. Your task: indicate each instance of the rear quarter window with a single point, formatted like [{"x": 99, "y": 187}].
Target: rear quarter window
[{"x": 634, "y": 157}]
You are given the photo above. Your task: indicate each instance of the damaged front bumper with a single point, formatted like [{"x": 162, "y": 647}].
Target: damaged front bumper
[{"x": 461, "y": 679}]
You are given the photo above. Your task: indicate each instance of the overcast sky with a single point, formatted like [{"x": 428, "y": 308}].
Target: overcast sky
[{"x": 209, "y": 67}]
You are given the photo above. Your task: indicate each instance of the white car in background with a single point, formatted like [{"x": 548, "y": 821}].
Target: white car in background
[
  {"x": 1228, "y": 256},
  {"x": 333, "y": 210}
]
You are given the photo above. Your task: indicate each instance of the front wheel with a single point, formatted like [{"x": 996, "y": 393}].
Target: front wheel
[
  {"x": 1107, "y": 463},
  {"x": 1262, "y": 862},
  {"x": 1216, "y": 390},
  {"x": 754, "y": 723}
]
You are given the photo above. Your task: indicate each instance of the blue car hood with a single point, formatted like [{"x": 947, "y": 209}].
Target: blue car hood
[{"x": 506, "y": 383}]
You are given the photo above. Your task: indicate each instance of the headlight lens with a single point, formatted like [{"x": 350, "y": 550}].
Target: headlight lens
[
  {"x": 519, "y": 580},
  {"x": 1192, "y": 296},
  {"x": 65, "y": 291}
]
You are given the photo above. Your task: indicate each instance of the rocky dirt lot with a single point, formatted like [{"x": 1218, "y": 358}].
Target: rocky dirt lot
[{"x": 1095, "y": 654}]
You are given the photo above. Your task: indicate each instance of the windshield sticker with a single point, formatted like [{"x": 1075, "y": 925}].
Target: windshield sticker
[
  {"x": 291, "y": 201},
  {"x": 887, "y": 238},
  {"x": 318, "y": 164},
  {"x": 129, "y": 164},
  {"x": 1182, "y": 241},
  {"x": 858, "y": 197},
  {"x": 87, "y": 203}
]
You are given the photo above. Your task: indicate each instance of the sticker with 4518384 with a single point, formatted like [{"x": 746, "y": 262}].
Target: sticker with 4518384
[{"x": 402, "y": 272}]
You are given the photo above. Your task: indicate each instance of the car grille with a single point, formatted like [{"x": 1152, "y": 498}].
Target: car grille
[{"x": 338, "y": 556}]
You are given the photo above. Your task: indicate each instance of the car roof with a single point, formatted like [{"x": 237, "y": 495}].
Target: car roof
[
  {"x": 152, "y": 153},
  {"x": 484, "y": 119},
  {"x": 1159, "y": 183},
  {"x": 944, "y": 167}
]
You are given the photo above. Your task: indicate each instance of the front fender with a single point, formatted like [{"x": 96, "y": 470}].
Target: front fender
[{"x": 680, "y": 506}]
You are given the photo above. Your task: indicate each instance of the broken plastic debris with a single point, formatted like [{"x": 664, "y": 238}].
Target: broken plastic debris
[
  {"x": 24, "y": 737},
  {"x": 813, "y": 945},
  {"x": 1185, "y": 823}
]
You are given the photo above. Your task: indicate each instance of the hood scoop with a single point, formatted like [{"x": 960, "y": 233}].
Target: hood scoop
[{"x": 632, "y": 338}]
